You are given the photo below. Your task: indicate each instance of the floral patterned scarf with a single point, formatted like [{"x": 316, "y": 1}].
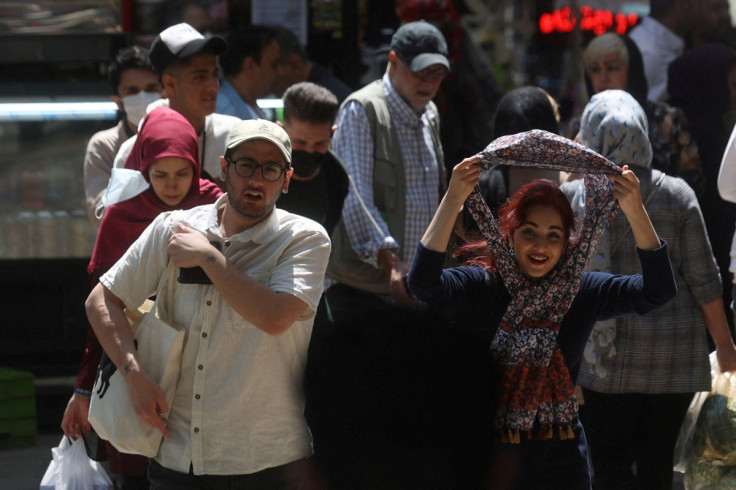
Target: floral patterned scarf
[{"x": 536, "y": 389}]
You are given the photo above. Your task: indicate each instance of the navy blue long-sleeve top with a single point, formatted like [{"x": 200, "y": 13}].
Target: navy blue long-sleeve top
[{"x": 473, "y": 295}]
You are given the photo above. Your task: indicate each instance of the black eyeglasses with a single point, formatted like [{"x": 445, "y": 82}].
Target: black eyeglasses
[
  {"x": 429, "y": 73},
  {"x": 246, "y": 168}
]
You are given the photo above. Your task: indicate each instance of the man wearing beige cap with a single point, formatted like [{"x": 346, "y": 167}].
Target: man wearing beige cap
[{"x": 236, "y": 420}]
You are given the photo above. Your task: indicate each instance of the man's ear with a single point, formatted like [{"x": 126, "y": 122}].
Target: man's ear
[
  {"x": 333, "y": 129},
  {"x": 223, "y": 167},
  {"x": 169, "y": 83},
  {"x": 393, "y": 62},
  {"x": 249, "y": 64},
  {"x": 293, "y": 61},
  {"x": 287, "y": 180},
  {"x": 118, "y": 102}
]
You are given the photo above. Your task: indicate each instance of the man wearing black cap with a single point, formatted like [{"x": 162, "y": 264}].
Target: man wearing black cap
[
  {"x": 185, "y": 60},
  {"x": 388, "y": 137}
]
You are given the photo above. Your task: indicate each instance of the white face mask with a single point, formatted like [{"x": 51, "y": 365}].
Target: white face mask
[{"x": 135, "y": 105}]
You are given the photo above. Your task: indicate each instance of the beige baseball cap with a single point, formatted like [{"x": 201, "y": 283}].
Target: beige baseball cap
[{"x": 263, "y": 129}]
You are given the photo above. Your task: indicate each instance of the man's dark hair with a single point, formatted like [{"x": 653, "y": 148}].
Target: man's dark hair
[
  {"x": 243, "y": 42},
  {"x": 127, "y": 58},
  {"x": 172, "y": 12},
  {"x": 228, "y": 155},
  {"x": 660, "y": 8},
  {"x": 309, "y": 102},
  {"x": 289, "y": 44},
  {"x": 172, "y": 67}
]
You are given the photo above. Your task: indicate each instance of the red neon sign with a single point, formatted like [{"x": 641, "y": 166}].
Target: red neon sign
[{"x": 596, "y": 20}]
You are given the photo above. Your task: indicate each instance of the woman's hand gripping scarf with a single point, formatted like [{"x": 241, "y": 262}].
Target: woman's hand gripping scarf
[{"x": 536, "y": 390}]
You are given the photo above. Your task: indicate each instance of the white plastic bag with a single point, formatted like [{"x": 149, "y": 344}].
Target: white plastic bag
[
  {"x": 72, "y": 469},
  {"x": 706, "y": 447}
]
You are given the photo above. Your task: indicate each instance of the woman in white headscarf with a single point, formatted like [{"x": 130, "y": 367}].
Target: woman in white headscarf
[{"x": 638, "y": 393}]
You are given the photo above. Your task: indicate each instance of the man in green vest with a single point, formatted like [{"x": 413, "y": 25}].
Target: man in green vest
[{"x": 388, "y": 137}]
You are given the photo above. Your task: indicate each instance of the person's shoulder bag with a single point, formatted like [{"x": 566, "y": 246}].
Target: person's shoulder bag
[{"x": 159, "y": 343}]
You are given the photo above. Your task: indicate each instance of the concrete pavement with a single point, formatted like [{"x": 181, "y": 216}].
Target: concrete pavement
[{"x": 22, "y": 469}]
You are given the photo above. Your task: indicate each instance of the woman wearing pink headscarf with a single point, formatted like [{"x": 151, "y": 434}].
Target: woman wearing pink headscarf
[{"x": 166, "y": 154}]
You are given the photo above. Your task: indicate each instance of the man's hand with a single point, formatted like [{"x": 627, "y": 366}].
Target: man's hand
[
  {"x": 75, "y": 421},
  {"x": 397, "y": 271},
  {"x": 190, "y": 248},
  {"x": 148, "y": 399},
  {"x": 399, "y": 288}
]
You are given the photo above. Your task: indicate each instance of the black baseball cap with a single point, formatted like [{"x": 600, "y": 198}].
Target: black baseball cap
[
  {"x": 181, "y": 41},
  {"x": 419, "y": 44}
]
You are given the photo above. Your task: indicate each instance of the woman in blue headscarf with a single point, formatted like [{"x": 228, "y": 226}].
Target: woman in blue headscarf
[{"x": 638, "y": 391}]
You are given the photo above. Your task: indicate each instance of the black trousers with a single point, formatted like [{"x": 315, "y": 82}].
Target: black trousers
[
  {"x": 297, "y": 475},
  {"x": 631, "y": 438}
]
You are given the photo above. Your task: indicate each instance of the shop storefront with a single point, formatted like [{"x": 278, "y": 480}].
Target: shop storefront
[{"x": 54, "y": 95}]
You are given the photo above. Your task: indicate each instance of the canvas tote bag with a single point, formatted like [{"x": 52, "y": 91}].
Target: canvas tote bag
[{"x": 159, "y": 344}]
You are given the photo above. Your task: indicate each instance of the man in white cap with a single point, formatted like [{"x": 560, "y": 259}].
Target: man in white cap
[
  {"x": 236, "y": 420},
  {"x": 388, "y": 137},
  {"x": 186, "y": 62}
]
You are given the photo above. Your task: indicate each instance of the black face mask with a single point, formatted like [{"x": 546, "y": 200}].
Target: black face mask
[{"x": 306, "y": 164}]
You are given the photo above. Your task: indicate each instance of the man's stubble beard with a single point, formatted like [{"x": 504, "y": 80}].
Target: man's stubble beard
[{"x": 233, "y": 200}]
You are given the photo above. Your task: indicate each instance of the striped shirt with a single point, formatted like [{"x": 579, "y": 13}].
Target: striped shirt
[{"x": 353, "y": 142}]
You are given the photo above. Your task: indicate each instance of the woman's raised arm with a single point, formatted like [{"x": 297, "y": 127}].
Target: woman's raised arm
[{"x": 465, "y": 176}]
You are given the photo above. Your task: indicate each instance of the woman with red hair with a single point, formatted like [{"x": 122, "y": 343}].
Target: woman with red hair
[{"x": 528, "y": 285}]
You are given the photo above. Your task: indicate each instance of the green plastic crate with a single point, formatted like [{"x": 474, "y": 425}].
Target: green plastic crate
[{"x": 18, "y": 427}]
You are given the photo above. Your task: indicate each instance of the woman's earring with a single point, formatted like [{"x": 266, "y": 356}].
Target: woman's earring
[
  {"x": 285, "y": 190},
  {"x": 223, "y": 176}
]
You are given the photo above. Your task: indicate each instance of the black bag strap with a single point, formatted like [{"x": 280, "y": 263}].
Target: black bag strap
[{"x": 86, "y": 444}]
